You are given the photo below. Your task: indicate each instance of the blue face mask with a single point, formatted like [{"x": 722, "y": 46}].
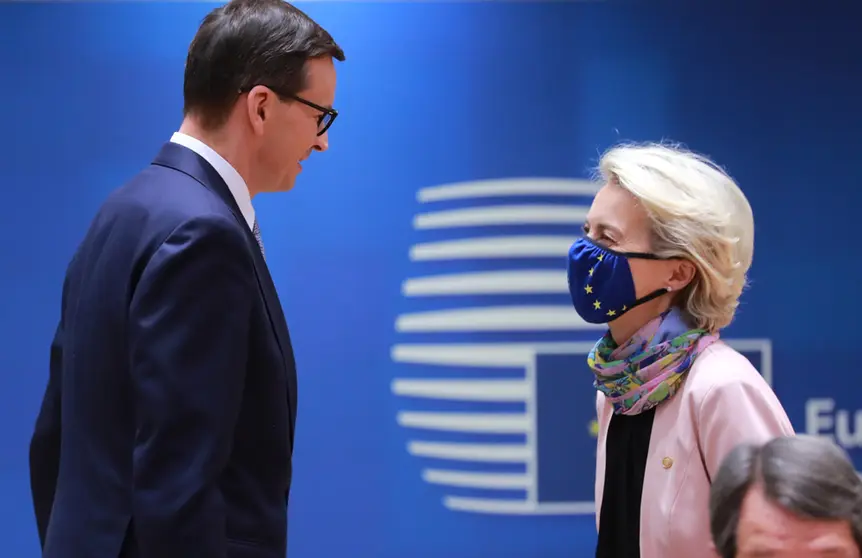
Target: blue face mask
[{"x": 601, "y": 283}]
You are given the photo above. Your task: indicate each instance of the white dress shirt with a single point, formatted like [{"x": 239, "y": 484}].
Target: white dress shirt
[{"x": 234, "y": 181}]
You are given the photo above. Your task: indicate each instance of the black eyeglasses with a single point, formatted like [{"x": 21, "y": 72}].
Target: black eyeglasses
[
  {"x": 324, "y": 121},
  {"x": 326, "y": 118}
]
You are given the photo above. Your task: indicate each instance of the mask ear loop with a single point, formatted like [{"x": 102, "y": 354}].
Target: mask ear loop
[{"x": 652, "y": 296}]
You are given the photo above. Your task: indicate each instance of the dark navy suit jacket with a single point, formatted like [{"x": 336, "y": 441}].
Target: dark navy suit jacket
[{"x": 166, "y": 429}]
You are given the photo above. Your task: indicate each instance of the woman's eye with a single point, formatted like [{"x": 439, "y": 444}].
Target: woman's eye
[{"x": 605, "y": 240}]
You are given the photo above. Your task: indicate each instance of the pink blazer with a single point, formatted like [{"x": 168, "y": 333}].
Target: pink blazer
[{"x": 723, "y": 402}]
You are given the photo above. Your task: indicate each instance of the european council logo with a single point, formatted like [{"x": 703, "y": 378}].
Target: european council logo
[{"x": 497, "y": 397}]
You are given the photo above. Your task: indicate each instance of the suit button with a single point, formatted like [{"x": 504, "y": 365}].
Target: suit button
[{"x": 667, "y": 462}]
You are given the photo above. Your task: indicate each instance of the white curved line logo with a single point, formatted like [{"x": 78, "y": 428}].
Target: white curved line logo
[{"x": 564, "y": 204}]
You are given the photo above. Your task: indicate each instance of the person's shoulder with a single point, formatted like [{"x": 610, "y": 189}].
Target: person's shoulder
[
  {"x": 159, "y": 205},
  {"x": 720, "y": 367},
  {"x": 165, "y": 189},
  {"x": 158, "y": 200}
]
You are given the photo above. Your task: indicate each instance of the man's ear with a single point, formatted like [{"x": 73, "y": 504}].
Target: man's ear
[{"x": 258, "y": 104}]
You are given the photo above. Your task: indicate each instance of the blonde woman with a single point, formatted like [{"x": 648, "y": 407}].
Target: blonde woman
[{"x": 663, "y": 260}]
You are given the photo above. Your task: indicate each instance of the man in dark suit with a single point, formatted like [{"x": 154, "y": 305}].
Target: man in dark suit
[{"x": 166, "y": 429}]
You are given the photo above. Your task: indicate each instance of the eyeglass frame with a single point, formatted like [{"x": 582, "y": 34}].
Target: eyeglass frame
[
  {"x": 323, "y": 110},
  {"x": 324, "y": 113}
]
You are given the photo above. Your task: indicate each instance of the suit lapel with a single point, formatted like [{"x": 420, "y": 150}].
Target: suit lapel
[
  {"x": 279, "y": 325},
  {"x": 185, "y": 160}
]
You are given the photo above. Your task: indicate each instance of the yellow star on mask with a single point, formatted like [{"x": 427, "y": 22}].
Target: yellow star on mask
[
  {"x": 597, "y": 305},
  {"x": 612, "y": 312},
  {"x": 592, "y": 269},
  {"x": 601, "y": 257},
  {"x": 589, "y": 289}
]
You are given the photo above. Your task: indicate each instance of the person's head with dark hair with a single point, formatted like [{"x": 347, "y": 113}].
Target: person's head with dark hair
[
  {"x": 259, "y": 87},
  {"x": 797, "y": 496}
]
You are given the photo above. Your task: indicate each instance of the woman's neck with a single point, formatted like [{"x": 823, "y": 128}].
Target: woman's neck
[{"x": 622, "y": 332}]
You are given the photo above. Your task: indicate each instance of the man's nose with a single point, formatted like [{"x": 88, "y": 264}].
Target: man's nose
[{"x": 322, "y": 143}]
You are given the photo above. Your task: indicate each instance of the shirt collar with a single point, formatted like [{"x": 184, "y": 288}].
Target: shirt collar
[{"x": 232, "y": 178}]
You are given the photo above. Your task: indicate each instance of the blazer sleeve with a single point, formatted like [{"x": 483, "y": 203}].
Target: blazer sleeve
[
  {"x": 45, "y": 442},
  {"x": 188, "y": 340},
  {"x": 741, "y": 408}
]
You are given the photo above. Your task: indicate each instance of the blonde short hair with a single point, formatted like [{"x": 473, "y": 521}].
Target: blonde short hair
[{"x": 697, "y": 213}]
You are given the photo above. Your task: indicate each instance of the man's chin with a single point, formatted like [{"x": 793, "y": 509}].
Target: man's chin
[
  {"x": 285, "y": 185},
  {"x": 288, "y": 185}
]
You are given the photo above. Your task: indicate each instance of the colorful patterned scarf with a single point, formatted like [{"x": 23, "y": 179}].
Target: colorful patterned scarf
[{"x": 650, "y": 367}]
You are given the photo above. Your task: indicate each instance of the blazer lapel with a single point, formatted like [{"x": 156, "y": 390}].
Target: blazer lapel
[
  {"x": 604, "y": 413},
  {"x": 279, "y": 325},
  {"x": 185, "y": 160}
]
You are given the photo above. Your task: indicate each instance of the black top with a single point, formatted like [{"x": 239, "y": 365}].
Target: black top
[{"x": 626, "y": 448}]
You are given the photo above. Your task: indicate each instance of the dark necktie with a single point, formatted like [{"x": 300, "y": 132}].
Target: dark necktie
[{"x": 256, "y": 231}]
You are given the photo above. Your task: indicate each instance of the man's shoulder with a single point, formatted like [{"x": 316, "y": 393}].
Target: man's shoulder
[
  {"x": 137, "y": 218},
  {"x": 159, "y": 199}
]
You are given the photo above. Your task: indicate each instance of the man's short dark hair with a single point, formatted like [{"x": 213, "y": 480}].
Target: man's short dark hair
[
  {"x": 245, "y": 43},
  {"x": 808, "y": 476}
]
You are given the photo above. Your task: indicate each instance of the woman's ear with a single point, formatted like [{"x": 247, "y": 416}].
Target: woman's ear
[{"x": 681, "y": 274}]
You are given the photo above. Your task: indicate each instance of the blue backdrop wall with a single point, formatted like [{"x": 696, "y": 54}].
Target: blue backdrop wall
[{"x": 448, "y": 93}]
